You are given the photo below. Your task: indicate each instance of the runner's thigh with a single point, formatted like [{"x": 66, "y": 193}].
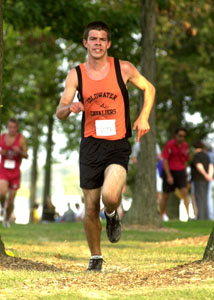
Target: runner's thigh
[
  {"x": 4, "y": 186},
  {"x": 91, "y": 198},
  {"x": 114, "y": 179},
  {"x": 12, "y": 195}
]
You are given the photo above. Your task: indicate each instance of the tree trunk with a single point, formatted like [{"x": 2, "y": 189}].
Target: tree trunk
[
  {"x": 209, "y": 251},
  {"x": 2, "y": 249},
  {"x": 144, "y": 208},
  {"x": 34, "y": 168},
  {"x": 48, "y": 164},
  {"x": 1, "y": 57}
]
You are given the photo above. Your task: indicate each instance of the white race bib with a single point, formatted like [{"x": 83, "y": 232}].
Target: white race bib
[
  {"x": 9, "y": 164},
  {"x": 105, "y": 127}
]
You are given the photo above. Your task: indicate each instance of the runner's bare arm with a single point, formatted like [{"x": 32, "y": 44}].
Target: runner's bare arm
[
  {"x": 130, "y": 73},
  {"x": 169, "y": 177},
  {"x": 207, "y": 175},
  {"x": 66, "y": 105},
  {"x": 22, "y": 151},
  {"x": 23, "y": 143},
  {"x": 2, "y": 151}
]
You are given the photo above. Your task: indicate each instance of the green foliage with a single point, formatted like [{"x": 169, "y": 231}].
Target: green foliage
[
  {"x": 184, "y": 50},
  {"x": 185, "y": 66},
  {"x": 39, "y": 36}
]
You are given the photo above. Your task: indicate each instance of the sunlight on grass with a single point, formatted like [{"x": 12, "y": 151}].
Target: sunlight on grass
[{"x": 140, "y": 254}]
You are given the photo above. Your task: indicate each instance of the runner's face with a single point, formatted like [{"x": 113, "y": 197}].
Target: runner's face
[
  {"x": 12, "y": 128},
  {"x": 97, "y": 43},
  {"x": 180, "y": 136}
]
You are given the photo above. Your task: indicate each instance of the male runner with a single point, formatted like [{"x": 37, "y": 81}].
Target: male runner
[
  {"x": 13, "y": 147},
  {"x": 104, "y": 149},
  {"x": 175, "y": 156}
]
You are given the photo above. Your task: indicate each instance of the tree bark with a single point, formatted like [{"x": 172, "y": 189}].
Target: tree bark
[
  {"x": 209, "y": 250},
  {"x": 34, "y": 168},
  {"x": 144, "y": 208},
  {"x": 2, "y": 249},
  {"x": 48, "y": 164},
  {"x": 1, "y": 57}
]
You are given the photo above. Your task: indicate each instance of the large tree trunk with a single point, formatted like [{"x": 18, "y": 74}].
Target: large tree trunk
[
  {"x": 144, "y": 207},
  {"x": 209, "y": 251},
  {"x": 2, "y": 249},
  {"x": 1, "y": 57},
  {"x": 48, "y": 164},
  {"x": 34, "y": 168}
]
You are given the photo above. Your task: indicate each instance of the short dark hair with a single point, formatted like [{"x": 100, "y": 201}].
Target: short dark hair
[
  {"x": 13, "y": 120},
  {"x": 180, "y": 129},
  {"x": 97, "y": 25},
  {"x": 199, "y": 144}
]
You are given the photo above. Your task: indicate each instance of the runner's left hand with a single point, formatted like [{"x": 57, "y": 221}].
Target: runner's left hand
[{"x": 142, "y": 127}]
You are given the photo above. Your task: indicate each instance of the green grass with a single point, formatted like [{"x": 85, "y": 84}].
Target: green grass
[
  {"x": 192, "y": 228},
  {"x": 140, "y": 254}
]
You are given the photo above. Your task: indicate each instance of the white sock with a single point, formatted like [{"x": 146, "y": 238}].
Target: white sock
[
  {"x": 111, "y": 214},
  {"x": 96, "y": 256}
]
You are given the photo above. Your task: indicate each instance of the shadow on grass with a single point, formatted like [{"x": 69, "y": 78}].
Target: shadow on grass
[{"x": 17, "y": 263}]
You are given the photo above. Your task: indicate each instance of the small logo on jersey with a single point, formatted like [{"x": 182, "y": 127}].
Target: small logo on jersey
[
  {"x": 106, "y": 112},
  {"x": 101, "y": 95}
]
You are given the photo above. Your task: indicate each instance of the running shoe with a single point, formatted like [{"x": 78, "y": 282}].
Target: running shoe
[
  {"x": 6, "y": 224},
  {"x": 95, "y": 264},
  {"x": 165, "y": 218},
  {"x": 113, "y": 228}
]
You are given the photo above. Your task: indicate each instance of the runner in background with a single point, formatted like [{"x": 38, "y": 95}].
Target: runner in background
[{"x": 13, "y": 148}]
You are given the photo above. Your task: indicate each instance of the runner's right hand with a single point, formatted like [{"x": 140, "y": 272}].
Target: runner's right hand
[{"x": 76, "y": 107}]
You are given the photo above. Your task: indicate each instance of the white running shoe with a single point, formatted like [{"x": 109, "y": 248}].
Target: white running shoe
[
  {"x": 6, "y": 224},
  {"x": 165, "y": 218}
]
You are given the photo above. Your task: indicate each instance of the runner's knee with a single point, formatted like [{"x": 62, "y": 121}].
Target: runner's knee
[
  {"x": 92, "y": 209},
  {"x": 111, "y": 199},
  {"x": 3, "y": 192}
]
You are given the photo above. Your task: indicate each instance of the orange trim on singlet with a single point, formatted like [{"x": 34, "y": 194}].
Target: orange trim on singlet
[{"x": 103, "y": 100}]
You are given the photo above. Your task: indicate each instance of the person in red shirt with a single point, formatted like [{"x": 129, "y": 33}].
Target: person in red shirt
[
  {"x": 175, "y": 156},
  {"x": 13, "y": 147},
  {"x": 104, "y": 150}
]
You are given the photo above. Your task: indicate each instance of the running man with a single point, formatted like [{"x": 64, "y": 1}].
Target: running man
[
  {"x": 175, "y": 157},
  {"x": 13, "y": 147},
  {"x": 104, "y": 149}
]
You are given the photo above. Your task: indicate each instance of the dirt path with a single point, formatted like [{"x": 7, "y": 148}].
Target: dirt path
[{"x": 191, "y": 273}]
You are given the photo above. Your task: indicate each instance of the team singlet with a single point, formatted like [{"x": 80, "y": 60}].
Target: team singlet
[
  {"x": 10, "y": 161},
  {"x": 106, "y": 103}
]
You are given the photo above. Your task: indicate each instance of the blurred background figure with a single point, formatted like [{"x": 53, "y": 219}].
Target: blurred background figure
[
  {"x": 49, "y": 211},
  {"x": 159, "y": 172},
  {"x": 36, "y": 217},
  {"x": 202, "y": 174},
  {"x": 13, "y": 148},
  {"x": 192, "y": 192},
  {"x": 68, "y": 216},
  {"x": 210, "y": 153},
  {"x": 80, "y": 210},
  {"x": 175, "y": 156}
]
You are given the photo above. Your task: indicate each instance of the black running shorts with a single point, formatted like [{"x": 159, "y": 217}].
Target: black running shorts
[
  {"x": 180, "y": 181},
  {"x": 96, "y": 155}
]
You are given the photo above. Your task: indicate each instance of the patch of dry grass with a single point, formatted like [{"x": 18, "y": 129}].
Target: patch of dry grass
[{"x": 51, "y": 269}]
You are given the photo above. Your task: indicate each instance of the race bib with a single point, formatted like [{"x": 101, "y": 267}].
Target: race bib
[
  {"x": 105, "y": 127},
  {"x": 9, "y": 164}
]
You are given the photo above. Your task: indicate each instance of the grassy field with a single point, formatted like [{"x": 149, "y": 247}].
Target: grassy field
[{"x": 148, "y": 263}]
